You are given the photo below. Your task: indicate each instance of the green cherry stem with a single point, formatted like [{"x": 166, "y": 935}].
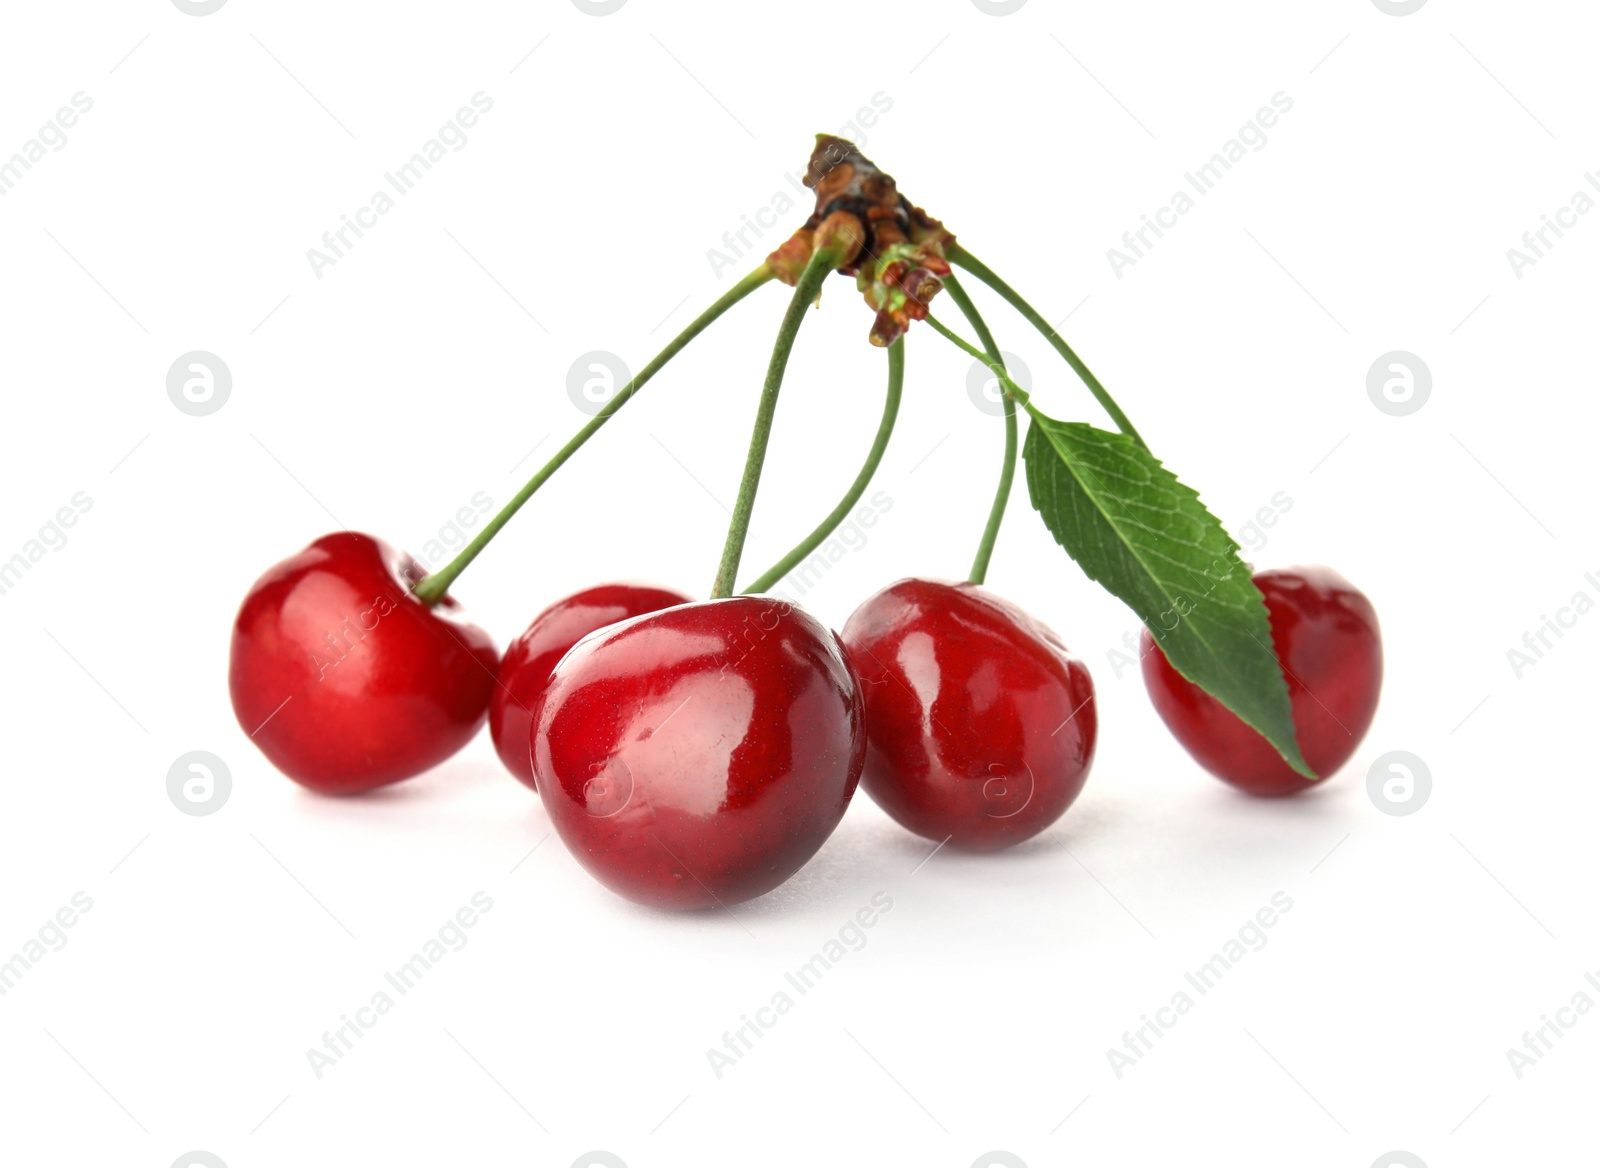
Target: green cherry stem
[
  {"x": 1008, "y": 469},
  {"x": 822, "y": 261},
  {"x": 891, "y": 409},
  {"x": 964, "y": 258},
  {"x": 432, "y": 589},
  {"x": 1013, "y": 390}
]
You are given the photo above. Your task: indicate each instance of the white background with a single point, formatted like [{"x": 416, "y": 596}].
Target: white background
[{"x": 428, "y": 362}]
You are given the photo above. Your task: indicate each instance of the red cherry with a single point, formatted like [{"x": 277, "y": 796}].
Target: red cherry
[
  {"x": 1325, "y": 634},
  {"x": 701, "y": 754},
  {"x": 980, "y": 723},
  {"x": 526, "y": 666},
  {"x": 344, "y": 679}
]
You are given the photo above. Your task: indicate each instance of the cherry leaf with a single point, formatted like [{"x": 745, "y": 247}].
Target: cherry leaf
[{"x": 1148, "y": 540}]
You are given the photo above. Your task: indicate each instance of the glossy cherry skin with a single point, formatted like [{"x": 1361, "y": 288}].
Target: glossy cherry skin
[
  {"x": 528, "y": 660},
  {"x": 1325, "y": 634},
  {"x": 700, "y": 755},
  {"x": 344, "y": 679},
  {"x": 980, "y": 724}
]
